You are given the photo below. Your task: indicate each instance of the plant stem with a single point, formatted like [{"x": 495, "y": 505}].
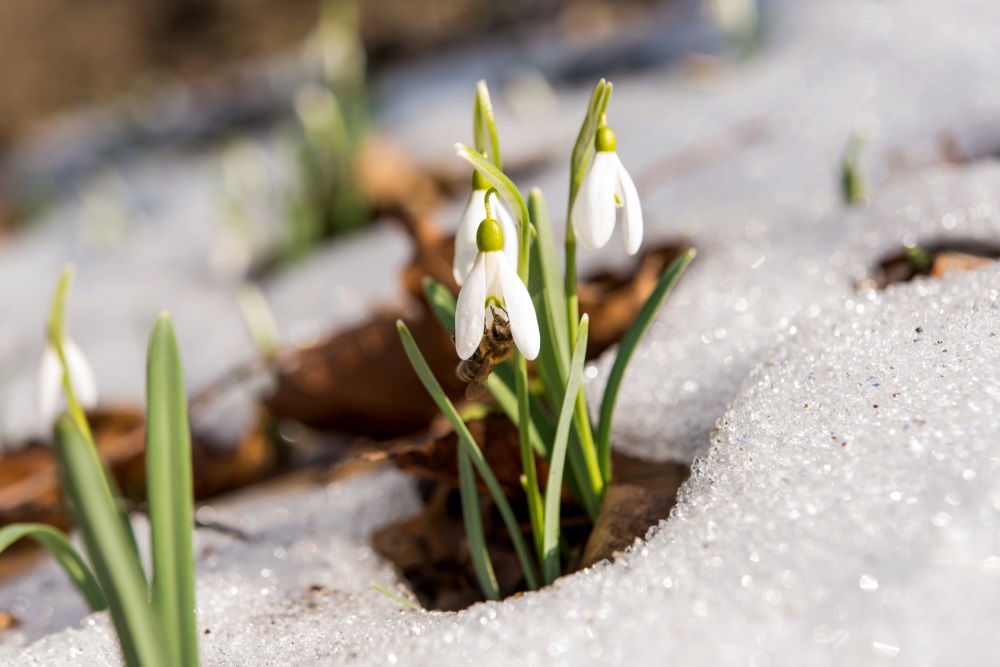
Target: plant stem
[
  {"x": 584, "y": 463},
  {"x": 591, "y": 476},
  {"x": 531, "y": 489}
]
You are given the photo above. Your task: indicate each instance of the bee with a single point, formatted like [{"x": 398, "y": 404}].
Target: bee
[{"x": 496, "y": 346}]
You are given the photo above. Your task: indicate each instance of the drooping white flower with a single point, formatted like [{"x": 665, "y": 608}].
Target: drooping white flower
[
  {"x": 605, "y": 188},
  {"x": 491, "y": 283},
  {"x": 50, "y": 380},
  {"x": 474, "y": 213}
]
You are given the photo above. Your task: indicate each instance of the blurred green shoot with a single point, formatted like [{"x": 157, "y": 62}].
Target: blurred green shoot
[
  {"x": 919, "y": 258},
  {"x": 853, "y": 188},
  {"x": 334, "y": 120},
  {"x": 739, "y": 23},
  {"x": 396, "y": 597},
  {"x": 154, "y": 619},
  {"x": 259, "y": 320}
]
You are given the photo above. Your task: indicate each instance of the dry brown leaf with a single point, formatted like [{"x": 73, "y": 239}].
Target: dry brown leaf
[
  {"x": 628, "y": 512},
  {"x": 360, "y": 381},
  {"x": 955, "y": 262},
  {"x": 436, "y": 459},
  {"x": 29, "y": 483}
]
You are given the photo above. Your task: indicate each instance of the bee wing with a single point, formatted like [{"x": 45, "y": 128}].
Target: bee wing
[{"x": 477, "y": 387}]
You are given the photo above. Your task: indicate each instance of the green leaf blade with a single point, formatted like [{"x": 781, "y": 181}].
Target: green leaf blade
[
  {"x": 484, "y": 125},
  {"x": 627, "y": 348},
  {"x": 56, "y": 543},
  {"x": 109, "y": 546},
  {"x": 474, "y": 532},
  {"x": 553, "y": 487},
  {"x": 171, "y": 494}
]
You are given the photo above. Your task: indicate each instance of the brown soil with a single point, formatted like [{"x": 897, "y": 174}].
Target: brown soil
[{"x": 935, "y": 260}]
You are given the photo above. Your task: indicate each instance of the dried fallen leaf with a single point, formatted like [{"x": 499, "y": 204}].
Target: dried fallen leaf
[
  {"x": 954, "y": 262},
  {"x": 8, "y": 620},
  {"x": 627, "y": 513},
  {"x": 29, "y": 484},
  {"x": 360, "y": 381},
  {"x": 435, "y": 459}
]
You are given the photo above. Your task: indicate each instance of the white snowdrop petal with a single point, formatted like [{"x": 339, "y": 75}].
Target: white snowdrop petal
[
  {"x": 632, "y": 213},
  {"x": 520, "y": 310},
  {"x": 49, "y": 385},
  {"x": 594, "y": 206},
  {"x": 470, "y": 310},
  {"x": 81, "y": 375},
  {"x": 50, "y": 380},
  {"x": 465, "y": 237}
]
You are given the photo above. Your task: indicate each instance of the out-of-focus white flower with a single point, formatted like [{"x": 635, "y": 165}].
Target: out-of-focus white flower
[
  {"x": 50, "y": 380},
  {"x": 474, "y": 213},
  {"x": 606, "y": 187},
  {"x": 493, "y": 282}
]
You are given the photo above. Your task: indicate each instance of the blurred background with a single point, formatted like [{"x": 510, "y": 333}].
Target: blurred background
[{"x": 191, "y": 154}]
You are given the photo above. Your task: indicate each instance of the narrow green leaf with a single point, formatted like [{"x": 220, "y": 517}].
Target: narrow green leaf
[
  {"x": 442, "y": 302},
  {"x": 56, "y": 332},
  {"x": 171, "y": 494},
  {"x": 108, "y": 544},
  {"x": 484, "y": 123},
  {"x": 469, "y": 443},
  {"x": 546, "y": 280},
  {"x": 853, "y": 187},
  {"x": 57, "y": 544},
  {"x": 553, "y": 487},
  {"x": 627, "y": 348},
  {"x": 474, "y": 532},
  {"x": 396, "y": 597}
]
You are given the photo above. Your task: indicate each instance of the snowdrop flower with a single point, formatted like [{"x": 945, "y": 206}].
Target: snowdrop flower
[
  {"x": 492, "y": 284},
  {"x": 474, "y": 213},
  {"x": 605, "y": 187},
  {"x": 50, "y": 380}
]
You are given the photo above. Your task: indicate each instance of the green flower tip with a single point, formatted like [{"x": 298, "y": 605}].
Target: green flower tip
[
  {"x": 605, "y": 140},
  {"x": 489, "y": 236},
  {"x": 479, "y": 182}
]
